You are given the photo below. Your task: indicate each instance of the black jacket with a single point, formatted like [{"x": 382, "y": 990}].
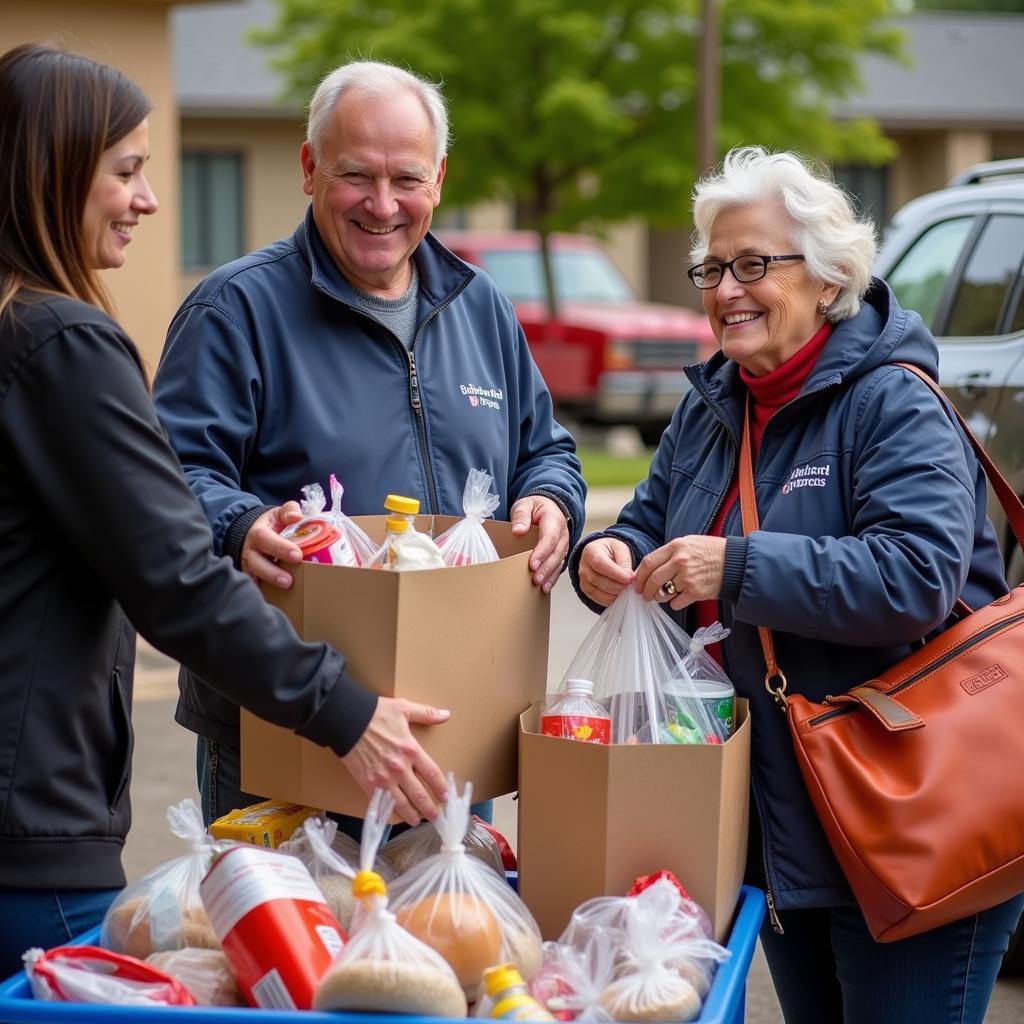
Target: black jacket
[{"x": 99, "y": 531}]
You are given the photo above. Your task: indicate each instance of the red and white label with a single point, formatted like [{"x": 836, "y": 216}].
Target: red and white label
[{"x": 584, "y": 728}]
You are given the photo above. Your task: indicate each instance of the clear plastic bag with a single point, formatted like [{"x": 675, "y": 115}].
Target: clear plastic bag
[
  {"x": 329, "y": 537},
  {"x": 572, "y": 979},
  {"x": 88, "y": 974},
  {"x": 405, "y": 549},
  {"x": 632, "y": 654},
  {"x": 467, "y": 543},
  {"x": 206, "y": 973},
  {"x": 646, "y": 987},
  {"x": 665, "y": 960},
  {"x": 682, "y": 915},
  {"x": 413, "y": 845},
  {"x": 383, "y": 968},
  {"x": 337, "y": 888},
  {"x": 699, "y": 673},
  {"x": 163, "y": 909},
  {"x": 462, "y": 908}
]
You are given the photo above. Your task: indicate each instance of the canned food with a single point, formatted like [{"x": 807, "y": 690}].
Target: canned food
[{"x": 274, "y": 924}]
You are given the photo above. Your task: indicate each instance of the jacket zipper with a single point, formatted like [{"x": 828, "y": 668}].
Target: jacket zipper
[
  {"x": 414, "y": 383},
  {"x": 421, "y": 432},
  {"x": 953, "y": 652},
  {"x": 417, "y": 403},
  {"x": 769, "y": 896}
]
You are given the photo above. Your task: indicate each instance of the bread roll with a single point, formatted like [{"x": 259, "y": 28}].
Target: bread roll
[
  {"x": 126, "y": 928},
  {"x": 459, "y": 927},
  {"x": 628, "y": 999},
  {"x": 381, "y": 986}
]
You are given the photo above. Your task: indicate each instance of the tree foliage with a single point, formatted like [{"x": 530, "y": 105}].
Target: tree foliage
[{"x": 584, "y": 110}]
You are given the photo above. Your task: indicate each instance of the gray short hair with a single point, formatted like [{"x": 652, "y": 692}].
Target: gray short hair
[
  {"x": 838, "y": 246},
  {"x": 378, "y": 79}
]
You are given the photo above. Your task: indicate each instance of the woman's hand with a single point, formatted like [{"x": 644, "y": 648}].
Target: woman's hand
[
  {"x": 606, "y": 568},
  {"x": 693, "y": 565}
]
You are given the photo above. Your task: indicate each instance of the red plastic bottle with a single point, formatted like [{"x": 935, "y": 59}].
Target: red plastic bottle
[{"x": 576, "y": 715}]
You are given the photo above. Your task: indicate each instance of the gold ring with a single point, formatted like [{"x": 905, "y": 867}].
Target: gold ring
[{"x": 669, "y": 587}]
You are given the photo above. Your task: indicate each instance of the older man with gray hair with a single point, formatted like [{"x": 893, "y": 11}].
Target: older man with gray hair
[{"x": 357, "y": 346}]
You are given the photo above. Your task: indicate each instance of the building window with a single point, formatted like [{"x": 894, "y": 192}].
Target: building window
[
  {"x": 867, "y": 185},
  {"x": 211, "y": 209}
]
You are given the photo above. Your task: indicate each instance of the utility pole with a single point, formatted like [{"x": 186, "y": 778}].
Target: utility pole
[{"x": 707, "y": 89}]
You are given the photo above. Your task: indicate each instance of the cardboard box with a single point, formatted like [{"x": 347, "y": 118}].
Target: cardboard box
[
  {"x": 473, "y": 639},
  {"x": 593, "y": 818}
]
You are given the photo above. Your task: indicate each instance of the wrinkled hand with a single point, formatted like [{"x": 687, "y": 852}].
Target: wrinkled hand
[
  {"x": 549, "y": 555},
  {"x": 695, "y": 565},
  {"x": 387, "y": 756},
  {"x": 606, "y": 568},
  {"x": 264, "y": 547}
]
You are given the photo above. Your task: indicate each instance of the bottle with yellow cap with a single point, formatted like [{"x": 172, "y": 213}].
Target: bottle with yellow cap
[
  {"x": 407, "y": 508},
  {"x": 510, "y": 998},
  {"x": 385, "y": 556}
]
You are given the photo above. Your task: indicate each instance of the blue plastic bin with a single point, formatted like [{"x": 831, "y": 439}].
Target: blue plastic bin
[{"x": 724, "y": 1003}]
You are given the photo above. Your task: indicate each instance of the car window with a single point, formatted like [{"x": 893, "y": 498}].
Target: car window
[
  {"x": 993, "y": 267},
  {"x": 580, "y": 276},
  {"x": 920, "y": 276},
  {"x": 1017, "y": 320}
]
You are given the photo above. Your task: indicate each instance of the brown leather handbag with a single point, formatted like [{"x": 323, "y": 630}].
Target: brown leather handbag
[{"x": 914, "y": 774}]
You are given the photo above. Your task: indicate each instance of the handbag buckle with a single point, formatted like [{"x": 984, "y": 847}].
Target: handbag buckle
[{"x": 778, "y": 692}]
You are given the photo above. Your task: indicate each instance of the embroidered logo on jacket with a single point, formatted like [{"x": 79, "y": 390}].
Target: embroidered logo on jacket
[
  {"x": 807, "y": 476},
  {"x": 489, "y": 398}
]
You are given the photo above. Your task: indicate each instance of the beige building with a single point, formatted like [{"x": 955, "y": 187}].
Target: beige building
[
  {"x": 225, "y": 149},
  {"x": 135, "y": 36}
]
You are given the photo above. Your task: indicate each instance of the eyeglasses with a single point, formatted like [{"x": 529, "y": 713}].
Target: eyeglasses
[{"x": 746, "y": 270}]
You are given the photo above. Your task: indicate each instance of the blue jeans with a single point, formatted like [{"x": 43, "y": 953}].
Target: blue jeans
[
  {"x": 46, "y": 918},
  {"x": 827, "y": 967},
  {"x": 219, "y": 773}
]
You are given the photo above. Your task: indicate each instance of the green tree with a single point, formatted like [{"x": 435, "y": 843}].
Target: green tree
[{"x": 583, "y": 110}]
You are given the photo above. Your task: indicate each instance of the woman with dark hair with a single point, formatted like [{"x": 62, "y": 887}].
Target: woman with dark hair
[{"x": 99, "y": 532}]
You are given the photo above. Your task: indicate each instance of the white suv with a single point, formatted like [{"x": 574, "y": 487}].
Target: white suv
[{"x": 957, "y": 258}]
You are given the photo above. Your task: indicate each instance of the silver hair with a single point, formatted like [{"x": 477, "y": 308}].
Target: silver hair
[
  {"x": 378, "y": 79},
  {"x": 837, "y": 245}
]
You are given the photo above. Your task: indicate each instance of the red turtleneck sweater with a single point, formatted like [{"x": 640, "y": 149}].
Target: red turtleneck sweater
[{"x": 768, "y": 394}]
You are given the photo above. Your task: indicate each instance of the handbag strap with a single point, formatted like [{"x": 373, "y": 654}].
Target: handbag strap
[
  {"x": 774, "y": 679},
  {"x": 1005, "y": 494}
]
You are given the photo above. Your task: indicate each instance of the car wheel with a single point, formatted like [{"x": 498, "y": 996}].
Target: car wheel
[{"x": 1013, "y": 960}]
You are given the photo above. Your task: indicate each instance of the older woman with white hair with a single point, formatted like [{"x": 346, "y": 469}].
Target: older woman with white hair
[{"x": 872, "y": 525}]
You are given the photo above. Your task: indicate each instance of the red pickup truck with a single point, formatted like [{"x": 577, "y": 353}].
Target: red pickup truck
[{"x": 608, "y": 357}]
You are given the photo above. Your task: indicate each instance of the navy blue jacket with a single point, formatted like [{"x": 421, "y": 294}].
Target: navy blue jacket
[
  {"x": 872, "y": 510},
  {"x": 272, "y": 378}
]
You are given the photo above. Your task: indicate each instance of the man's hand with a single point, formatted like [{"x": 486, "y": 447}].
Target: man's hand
[
  {"x": 606, "y": 568},
  {"x": 387, "y": 756},
  {"x": 552, "y": 548},
  {"x": 264, "y": 547},
  {"x": 694, "y": 565}
]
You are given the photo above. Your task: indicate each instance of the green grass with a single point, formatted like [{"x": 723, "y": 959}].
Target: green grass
[{"x": 603, "y": 470}]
